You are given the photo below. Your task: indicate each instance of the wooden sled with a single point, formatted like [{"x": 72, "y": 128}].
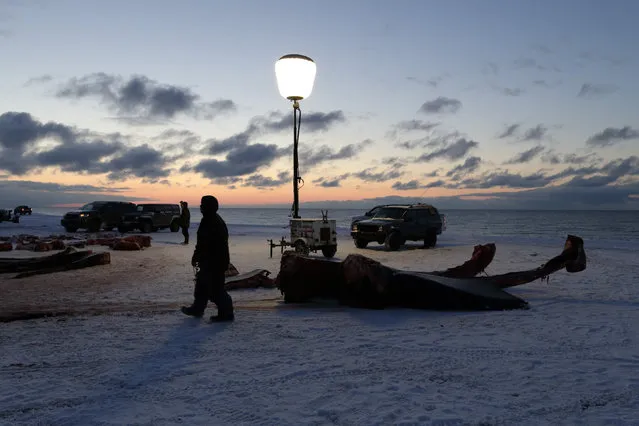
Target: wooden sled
[
  {"x": 70, "y": 254},
  {"x": 70, "y": 258},
  {"x": 254, "y": 279}
]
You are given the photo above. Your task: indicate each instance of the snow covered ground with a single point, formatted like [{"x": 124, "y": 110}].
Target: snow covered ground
[{"x": 572, "y": 358}]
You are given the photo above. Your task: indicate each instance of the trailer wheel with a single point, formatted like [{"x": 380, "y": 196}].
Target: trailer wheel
[
  {"x": 360, "y": 243},
  {"x": 329, "y": 251}
]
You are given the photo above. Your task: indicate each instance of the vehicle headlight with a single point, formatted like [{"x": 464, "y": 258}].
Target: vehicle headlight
[
  {"x": 84, "y": 214},
  {"x": 354, "y": 227}
]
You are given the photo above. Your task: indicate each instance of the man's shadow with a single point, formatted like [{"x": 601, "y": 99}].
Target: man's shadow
[{"x": 166, "y": 361}]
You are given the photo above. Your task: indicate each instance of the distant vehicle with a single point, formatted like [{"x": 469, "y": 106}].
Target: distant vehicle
[
  {"x": 393, "y": 225},
  {"x": 152, "y": 217},
  {"x": 22, "y": 210},
  {"x": 97, "y": 215},
  {"x": 7, "y": 215}
]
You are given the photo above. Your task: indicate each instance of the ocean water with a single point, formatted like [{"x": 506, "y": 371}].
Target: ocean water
[{"x": 599, "y": 229}]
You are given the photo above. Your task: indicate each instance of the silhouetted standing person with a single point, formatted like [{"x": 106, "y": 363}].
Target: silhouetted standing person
[
  {"x": 185, "y": 220},
  {"x": 211, "y": 256}
]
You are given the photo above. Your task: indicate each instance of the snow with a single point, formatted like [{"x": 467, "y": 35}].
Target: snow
[{"x": 132, "y": 358}]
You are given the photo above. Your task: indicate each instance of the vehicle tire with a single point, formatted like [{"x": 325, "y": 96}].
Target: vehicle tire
[
  {"x": 431, "y": 239},
  {"x": 301, "y": 248},
  {"x": 359, "y": 243},
  {"x": 146, "y": 228},
  {"x": 94, "y": 225},
  {"x": 175, "y": 226},
  {"x": 70, "y": 228},
  {"x": 393, "y": 241},
  {"x": 329, "y": 251}
]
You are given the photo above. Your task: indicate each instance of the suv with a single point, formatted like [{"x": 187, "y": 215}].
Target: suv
[
  {"x": 6, "y": 215},
  {"x": 152, "y": 217},
  {"x": 393, "y": 225},
  {"x": 22, "y": 210},
  {"x": 97, "y": 215}
]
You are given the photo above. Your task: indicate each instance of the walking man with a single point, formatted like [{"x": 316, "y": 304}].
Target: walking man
[
  {"x": 211, "y": 259},
  {"x": 185, "y": 220}
]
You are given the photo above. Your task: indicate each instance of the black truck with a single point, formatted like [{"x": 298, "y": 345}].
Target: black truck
[
  {"x": 97, "y": 215},
  {"x": 151, "y": 217}
]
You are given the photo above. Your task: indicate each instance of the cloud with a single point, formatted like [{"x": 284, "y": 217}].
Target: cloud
[
  {"x": 236, "y": 141},
  {"x": 311, "y": 122},
  {"x": 531, "y": 63},
  {"x": 261, "y": 181},
  {"x": 244, "y": 157},
  {"x": 542, "y": 48},
  {"x": 590, "y": 90},
  {"x": 143, "y": 99},
  {"x": 240, "y": 161},
  {"x": 333, "y": 182},
  {"x": 229, "y": 181},
  {"x": 140, "y": 161},
  {"x": 612, "y": 172},
  {"x": 509, "y": 131},
  {"x": 454, "y": 151},
  {"x": 441, "y": 105},
  {"x": 26, "y": 144},
  {"x": 506, "y": 179},
  {"x": 612, "y": 135},
  {"x": 554, "y": 158},
  {"x": 606, "y": 58},
  {"x": 370, "y": 175},
  {"x": 432, "y": 82},
  {"x": 512, "y": 91},
  {"x": 546, "y": 83},
  {"x": 41, "y": 194},
  {"x": 312, "y": 157},
  {"x": 273, "y": 123},
  {"x": 526, "y": 156},
  {"x": 490, "y": 68},
  {"x": 413, "y": 125},
  {"x": 612, "y": 185},
  {"x": 431, "y": 141},
  {"x": 469, "y": 166},
  {"x": 45, "y": 78},
  {"x": 537, "y": 133},
  {"x": 609, "y": 173},
  {"x": 18, "y": 130},
  {"x": 407, "y": 186}
]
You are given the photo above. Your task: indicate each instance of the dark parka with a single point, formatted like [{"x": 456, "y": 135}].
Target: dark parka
[{"x": 212, "y": 246}]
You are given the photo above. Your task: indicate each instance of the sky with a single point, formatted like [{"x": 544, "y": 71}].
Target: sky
[{"x": 468, "y": 104}]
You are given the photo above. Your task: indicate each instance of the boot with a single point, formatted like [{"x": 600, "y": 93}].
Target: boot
[{"x": 191, "y": 311}]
